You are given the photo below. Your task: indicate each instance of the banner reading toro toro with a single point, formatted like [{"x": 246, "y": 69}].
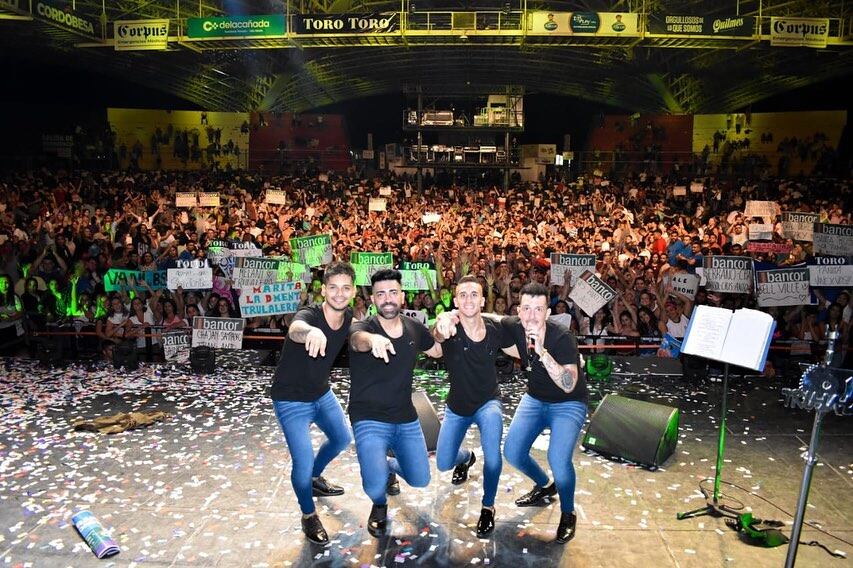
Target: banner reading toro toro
[
  {"x": 371, "y": 23},
  {"x": 236, "y": 27}
]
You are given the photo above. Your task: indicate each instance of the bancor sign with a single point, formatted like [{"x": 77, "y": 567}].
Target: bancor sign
[{"x": 236, "y": 26}]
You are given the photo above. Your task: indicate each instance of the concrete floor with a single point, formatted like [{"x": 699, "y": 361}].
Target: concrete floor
[{"x": 210, "y": 485}]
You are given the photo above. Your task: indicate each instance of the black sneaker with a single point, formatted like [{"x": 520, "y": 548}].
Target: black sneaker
[
  {"x": 378, "y": 520},
  {"x": 314, "y": 531},
  {"x": 393, "y": 486},
  {"x": 486, "y": 524},
  {"x": 460, "y": 472},
  {"x": 566, "y": 528},
  {"x": 322, "y": 488},
  {"x": 538, "y": 496}
]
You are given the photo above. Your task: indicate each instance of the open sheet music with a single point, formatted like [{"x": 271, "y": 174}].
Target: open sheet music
[{"x": 739, "y": 338}]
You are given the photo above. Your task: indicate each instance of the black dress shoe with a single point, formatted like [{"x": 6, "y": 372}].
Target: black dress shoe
[
  {"x": 566, "y": 528},
  {"x": 314, "y": 531},
  {"x": 378, "y": 520},
  {"x": 393, "y": 487},
  {"x": 486, "y": 524},
  {"x": 538, "y": 496},
  {"x": 322, "y": 488},
  {"x": 460, "y": 472}
]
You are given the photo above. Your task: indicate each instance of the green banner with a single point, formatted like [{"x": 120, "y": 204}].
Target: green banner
[
  {"x": 314, "y": 250},
  {"x": 417, "y": 279},
  {"x": 368, "y": 263},
  {"x": 236, "y": 26},
  {"x": 121, "y": 280}
]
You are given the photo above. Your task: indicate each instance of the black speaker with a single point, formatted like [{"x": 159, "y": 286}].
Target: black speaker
[
  {"x": 202, "y": 359},
  {"x": 634, "y": 430},
  {"x": 125, "y": 355},
  {"x": 428, "y": 419},
  {"x": 49, "y": 352}
]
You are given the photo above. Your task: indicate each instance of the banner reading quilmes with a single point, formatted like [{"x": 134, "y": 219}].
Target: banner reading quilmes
[
  {"x": 688, "y": 24},
  {"x": 370, "y": 23},
  {"x": 236, "y": 26},
  {"x": 141, "y": 35}
]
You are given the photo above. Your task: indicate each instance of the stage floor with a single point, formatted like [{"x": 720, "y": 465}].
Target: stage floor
[{"x": 210, "y": 485}]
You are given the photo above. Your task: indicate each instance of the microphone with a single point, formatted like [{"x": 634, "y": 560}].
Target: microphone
[{"x": 531, "y": 347}]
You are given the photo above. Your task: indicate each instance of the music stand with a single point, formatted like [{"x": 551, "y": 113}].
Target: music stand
[
  {"x": 714, "y": 508},
  {"x": 741, "y": 338}
]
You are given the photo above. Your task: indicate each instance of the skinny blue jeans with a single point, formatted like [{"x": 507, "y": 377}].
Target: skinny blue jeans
[
  {"x": 565, "y": 420},
  {"x": 373, "y": 439},
  {"x": 295, "y": 419},
  {"x": 453, "y": 428}
]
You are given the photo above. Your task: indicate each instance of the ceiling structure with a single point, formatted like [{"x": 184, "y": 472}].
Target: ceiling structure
[{"x": 298, "y": 73}]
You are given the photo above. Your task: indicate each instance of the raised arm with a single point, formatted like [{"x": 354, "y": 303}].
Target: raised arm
[
  {"x": 364, "y": 341},
  {"x": 313, "y": 337}
]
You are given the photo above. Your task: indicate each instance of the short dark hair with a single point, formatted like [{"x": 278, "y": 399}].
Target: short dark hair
[
  {"x": 534, "y": 289},
  {"x": 470, "y": 278},
  {"x": 337, "y": 268},
  {"x": 386, "y": 274}
]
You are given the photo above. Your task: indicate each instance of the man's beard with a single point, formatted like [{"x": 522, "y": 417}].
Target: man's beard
[{"x": 396, "y": 311}]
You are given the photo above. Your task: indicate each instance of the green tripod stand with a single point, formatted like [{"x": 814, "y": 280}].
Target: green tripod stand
[{"x": 715, "y": 507}]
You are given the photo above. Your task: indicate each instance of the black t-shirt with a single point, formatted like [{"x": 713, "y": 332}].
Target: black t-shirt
[
  {"x": 563, "y": 347},
  {"x": 471, "y": 367},
  {"x": 300, "y": 377},
  {"x": 383, "y": 391}
]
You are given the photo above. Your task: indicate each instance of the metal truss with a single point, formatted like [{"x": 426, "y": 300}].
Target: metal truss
[{"x": 648, "y": 74}]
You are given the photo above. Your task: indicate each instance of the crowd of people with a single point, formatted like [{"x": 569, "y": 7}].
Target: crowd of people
[{"x": 61, "y": 232}]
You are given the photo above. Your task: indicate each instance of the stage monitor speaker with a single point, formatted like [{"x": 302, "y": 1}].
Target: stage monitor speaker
[
  {"x": 634, "y": 430},
  {"x": 49, "y": 352},
  {"x": 428, "y": 418},
  {"x": 125, "y": 356},
  {"x": 202, "y": 359}
]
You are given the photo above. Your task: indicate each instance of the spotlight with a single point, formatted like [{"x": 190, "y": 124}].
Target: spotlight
[{"x": 599, "y": 367}]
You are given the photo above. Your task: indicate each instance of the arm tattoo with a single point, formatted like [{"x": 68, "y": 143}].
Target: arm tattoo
[{"x": 558, "y": 373}]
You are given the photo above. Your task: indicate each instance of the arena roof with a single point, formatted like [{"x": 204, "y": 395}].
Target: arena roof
[{"x": 439, "y": 49}]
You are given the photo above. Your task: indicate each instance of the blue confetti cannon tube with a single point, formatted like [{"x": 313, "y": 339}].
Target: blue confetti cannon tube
[{"x": 95, "y": 535}]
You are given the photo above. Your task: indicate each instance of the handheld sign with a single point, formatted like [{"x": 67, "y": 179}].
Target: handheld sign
[
  {"x": 222, "y": 333},
  {"x": 270, "y": 299},
  {"x": 729, "y": 274},
  {"x": 314, "y": 250},
  {"x": 590, "y": 293},
  {"x": 577, "y": 264}
]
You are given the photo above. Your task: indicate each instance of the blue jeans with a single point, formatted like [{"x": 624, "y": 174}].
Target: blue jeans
[
  {"x": 565, "y": 419},
  {"x": 373, "y": 439},
  {"x": 295, "y": 419},
  {"x": 490, "y": 423}
]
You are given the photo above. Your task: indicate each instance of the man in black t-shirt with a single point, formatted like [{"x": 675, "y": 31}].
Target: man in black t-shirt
[
  {"x": 556, "y": 398},
  {"x": 301, "y": 393},
  {"x": 383, "y": 351},
  {"x": 471, "y": 345}
]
